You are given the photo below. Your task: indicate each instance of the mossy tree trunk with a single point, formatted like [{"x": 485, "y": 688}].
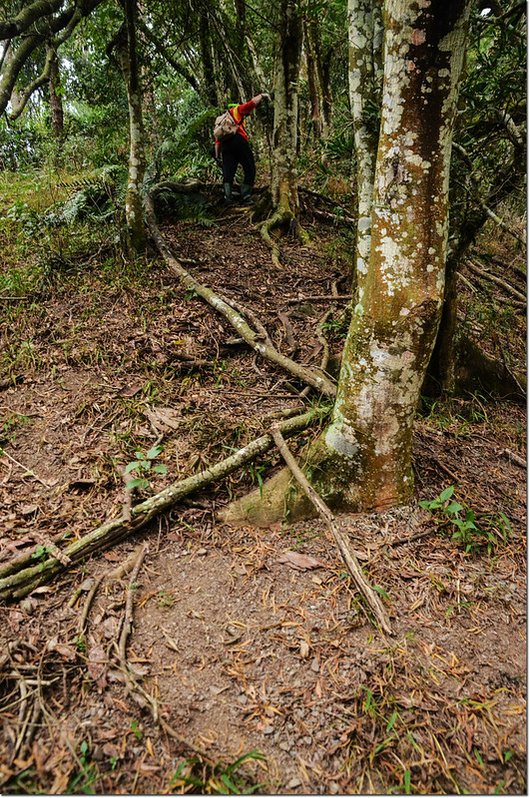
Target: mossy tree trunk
[
  {"x": 127, "y": 54},
  {"x": 316, "y": 78},
  {"x": 363, "y": 459},
  {"x": 284, "y": 175}
]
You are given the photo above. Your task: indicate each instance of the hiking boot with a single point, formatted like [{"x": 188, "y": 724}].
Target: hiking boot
[
  {"x": 227, "y": 190},
  {"x": 246, "y": 193}
]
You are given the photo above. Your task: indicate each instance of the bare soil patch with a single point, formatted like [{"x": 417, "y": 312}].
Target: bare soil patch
[{"x": 240, "y": 649}]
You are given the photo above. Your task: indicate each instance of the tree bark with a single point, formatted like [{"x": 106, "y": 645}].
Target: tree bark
[
  {"x": 127, "y": 55},
  {"x": 315, "y": 78},
  {"x": 284, "y": 183},
  {"x": 365, "y": 84},
  {"x": 363, "y": 460},
  {"x": 56, "y": 102}
]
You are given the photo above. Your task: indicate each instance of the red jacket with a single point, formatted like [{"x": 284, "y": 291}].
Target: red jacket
[{"x": 239, "y": 112}]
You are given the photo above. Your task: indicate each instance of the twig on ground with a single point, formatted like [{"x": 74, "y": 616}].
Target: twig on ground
[
  {"x": 513, "y": 456},
  {"x": 343, "y": 545},
  {"x": 127, "y": 624},
  {"x": 319, "y": 298},
  {"x": 289, "y": 335},
  {"x": 246, "y": 311},
  {"x": 87, "y": 605},
  {"x": 28, "y": 471}
]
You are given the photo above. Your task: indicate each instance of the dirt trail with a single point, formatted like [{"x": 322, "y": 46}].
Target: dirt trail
[{"x": 243, "y": 646}]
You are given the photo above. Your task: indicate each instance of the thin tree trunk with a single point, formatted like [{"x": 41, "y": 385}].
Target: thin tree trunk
[
  {"x": 129, "y": 65},
  {"x": 315, "y": 79},
  {"x": 56, "y": 102},
  {"x": 284, "y": 182}
]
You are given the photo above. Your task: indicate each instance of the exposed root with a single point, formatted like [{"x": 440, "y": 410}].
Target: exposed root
[
  {"x": 253, "y": 338},
  {"x": 279, "y": 219},
  {"x": 282, "y": 218}
]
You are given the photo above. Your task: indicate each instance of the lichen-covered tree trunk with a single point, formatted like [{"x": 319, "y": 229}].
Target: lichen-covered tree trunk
[
  {"x": 285, "y": 134},
  {"x": 133, "y": 198},
  {"x": 363, "y": 459},
  {"x": 284, "y": 177},
  {"x": 365, "y": 84}
]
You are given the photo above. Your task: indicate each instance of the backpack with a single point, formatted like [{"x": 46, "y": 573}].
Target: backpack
[{"x": 225, "y": 126}]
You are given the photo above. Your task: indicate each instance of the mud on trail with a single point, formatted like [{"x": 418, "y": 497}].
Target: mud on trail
[{"x": 192, "y": 637}]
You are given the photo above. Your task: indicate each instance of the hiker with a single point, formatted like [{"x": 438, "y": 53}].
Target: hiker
[{"x": 232, "y": 148}]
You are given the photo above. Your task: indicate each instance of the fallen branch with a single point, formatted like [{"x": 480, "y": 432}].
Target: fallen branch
[
  {"x": 126, "y": 629},
  {"x": 514, "y": 457},
  {"x": 497, "y": 280},
  {"x": 254, "y": 339},
  {"x": 327, "y": 516},
  {"x": 319, "y": 298},
  {"x": 23, "y": 580}
]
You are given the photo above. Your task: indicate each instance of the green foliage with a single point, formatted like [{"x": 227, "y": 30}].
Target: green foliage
[
  {"x": 40, "y": 554},
  {"x": 472, "y": 535},
  {"x": 84, "y": 780},
  {"x": 197, "y": 777},
  {"x": 144, "y": 469}
]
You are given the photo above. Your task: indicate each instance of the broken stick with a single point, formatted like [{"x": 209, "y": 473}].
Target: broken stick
[{"x": 325, "y": 513}]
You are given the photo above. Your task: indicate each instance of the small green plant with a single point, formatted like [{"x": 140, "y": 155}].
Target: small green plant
[
  {"x": 40, "y": 553},
  {"x": 135, "y": 728},
  {"x": 256, "y": 473},
  {"x": 84, "y": 779},
  {"x": 8, "y": 426},
  {"x": 198, "y": 777},
  {"x": 144, "y": 468},
  {"x": 466, "y": 529},
  {"x": 165, "y": 599}
]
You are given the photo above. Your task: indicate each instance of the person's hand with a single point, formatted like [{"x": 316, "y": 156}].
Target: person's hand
[
  {"x": 219, "y": 161},
  {"x": 265, "y": 96}
]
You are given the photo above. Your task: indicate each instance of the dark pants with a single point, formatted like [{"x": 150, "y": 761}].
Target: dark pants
[{"x": 237, "y": 151}]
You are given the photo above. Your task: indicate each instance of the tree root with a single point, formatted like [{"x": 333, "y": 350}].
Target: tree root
[
  {"x": 253, "y": 338},
  {"x": 277, "y": 220},
  {"x": 343, "y": 545},
  {"x": 20, "y": 579},
  {"x": 282, "y": 217}
]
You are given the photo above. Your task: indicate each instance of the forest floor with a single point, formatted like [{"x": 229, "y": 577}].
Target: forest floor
[{"x": 252, "y": 643}]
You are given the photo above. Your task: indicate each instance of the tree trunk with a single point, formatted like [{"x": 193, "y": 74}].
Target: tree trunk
[
  {"x": 365, "y": 83},
  {"x": 363, "y": 460},
  {"x": 284, "y": 177},
  {"x": 129, "y": 64},
  {"x": 285, "y": 133},
  {"x": 315, "y": 79},
  {"x": 56, "y": 102},
  {"x": 212, "y": 91}
]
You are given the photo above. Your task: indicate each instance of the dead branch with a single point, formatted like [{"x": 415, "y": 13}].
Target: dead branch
[
  {"x": 319, "y": 298},
  {"x": 254, "y": 339},
  {"x": 343, "y": 545},
  {"x": 127, "y": 625},
  {"x": 87, "y": 605},
  {"x": 494, "y": 279},
  {"x": 514, "y": 457},
  {"x": 22, "y": 580}
]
